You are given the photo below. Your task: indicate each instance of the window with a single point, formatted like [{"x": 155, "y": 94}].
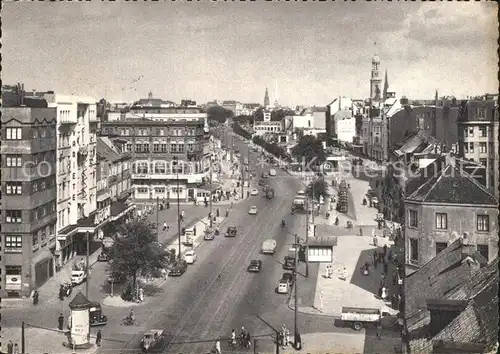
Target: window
[
  {"x": 34, "y": 239},
  {"x": 156, "y": 147},
  {"x": 159, "y": 190},
  {"x": 174, "y": 148},
  {"x": 413, "y": 218},
  {"x": 441, "y": 221},
  {"x": 471, "y": 131},
  {"x": 466, "y": 132},
  {"x": 34, "y": 134},
  {"x": 190, "y": 147},
  {"x": 471, "y": 147},
  {"x": 13, "y": 243},
  {"x": 181, "y": 147},
  {"x": 128, "y": 147},
  {"x": 483, "y": 223},
  {"x": 142, "y": 190},
  {"x": 138, "y": 147},
  {"x": 163, "y": 148},
  {"x": 14, "y": 188},
  {"x": 13, "y": 133},
  {"x": 145, "y": 147},
  {"x": 13, "y": 216},
  {"x": 481, "y": 113},
  {"x": 482, "y": 148},
  {"x": 483, "y": 250},
  {"x": 13, "y": 160},
  {"x": 159, "y": 167},
  {"x": 483, "y": 132},
  {"x": 413, "y": 250},
  {"x": 440, "y": 246}
]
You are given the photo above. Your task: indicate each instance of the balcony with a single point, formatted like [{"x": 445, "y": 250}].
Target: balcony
[{"x": 68, "y": 119}]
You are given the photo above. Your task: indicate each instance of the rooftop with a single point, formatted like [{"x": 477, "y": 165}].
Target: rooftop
[
  {"x": 106, "y": 149},
  {"x": 450, "y": 184}
]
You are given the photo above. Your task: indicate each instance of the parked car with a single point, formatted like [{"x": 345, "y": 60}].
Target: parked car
[
  {"x": 283, "y": 286},
  {"x": 253, "y": 210},
  {"x": 178, "y": 269},
  {"x": 255, "y": 266},
  {"x": 262, "y": 182},
  {"x": 289, "y": 263},
  {"x": 231, "y": 231},
  {"x": 209, "y": 236},
  {"x": 78, "y": 277},
  {"x": 288, "y": 277},
  {"x": 254, "y": 192},
  {"x": 190, "y": 257}
]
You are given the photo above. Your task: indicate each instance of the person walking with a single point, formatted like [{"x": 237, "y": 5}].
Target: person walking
[
  {"x": 98, "y": 337},
  {"x": 194, "y": 230},
  {"x": 385, "y": 250},
  {"x": 379, "y": 330},
  {"x": 217, "y": 212},
  {"x": 217, "y": 346},
  {"x": 386, "y": 267},
  {"x": 10, "y": 348},
  {"x": 60, "y": 322},
  {"x": 16, "y": 348}
]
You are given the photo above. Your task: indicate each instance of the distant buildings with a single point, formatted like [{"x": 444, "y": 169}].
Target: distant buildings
[
  {"x": 154, "y": 136},
  {"x": 443, "y": 203},
  {"x": 268, "y": 127},
  {"x": 340, "y": 121},
  {"x": 29, "y": 198},
  {"x": 478, "y": 137},
  {"x": 235, "y": 107}
]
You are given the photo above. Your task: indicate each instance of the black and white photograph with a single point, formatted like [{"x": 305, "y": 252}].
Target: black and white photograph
[{"x": 249, "y": 177}]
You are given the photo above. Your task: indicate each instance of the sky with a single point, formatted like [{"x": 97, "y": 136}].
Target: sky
[{"x": 312, "y": 52}]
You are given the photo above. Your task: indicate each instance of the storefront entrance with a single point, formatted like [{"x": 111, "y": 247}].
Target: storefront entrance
[{"x": 43, "y": 271}]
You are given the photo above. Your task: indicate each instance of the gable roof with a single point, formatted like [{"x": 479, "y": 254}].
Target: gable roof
[
  {"x": 452, "y": 185},
  {"x": 440, "y": 276},
  {"x": 106, "y": 149}
]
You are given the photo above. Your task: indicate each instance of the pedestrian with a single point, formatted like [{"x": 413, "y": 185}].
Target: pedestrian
[
  {"x": 98, "y": 338},
  {"x": 10, "y": 348},
  {"x": 60, "y": 321},
  {"x": 386, "y": 267},
  {"x": 394, "y": 301},
  {"x": 380, "y": 291},
  {"x": 194, "y": 230},
  {"x": 385, "y": 250},
  {"x": 165, "y": 226},
  {"x": 217, "y": 346},
  {"x": 16, "y": 349},
  {"x": 287, "y": 340},
  {"x": 227, "y": 213},
  {"x": 379, "y": 329},
  {"x": 218, "y": 212}
]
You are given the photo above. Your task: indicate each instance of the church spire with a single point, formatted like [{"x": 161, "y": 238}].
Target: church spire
[
  {"x": 266, "y": 98},
  {"x": 386, "y": 84}
]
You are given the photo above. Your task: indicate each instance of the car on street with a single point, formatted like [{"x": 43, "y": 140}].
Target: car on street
[
  {"x": 103, "y": 257},
  {"x": 253, "y": 210},
  {"x": 190, "y": 257},
  {"x": 289, "y": 263},
  {"x": 269, "y": 246},
  {"x": 78, "y": 277},
  {"x": 231, "y": 231},
  {"x": 178, "y": 268},
  {"x": 209, "y": 236},
  {"x": 255, "y": 266},
  {"x": 288, "y": 277},
  {"x": 265, "y": 175},
  {"x": 245, "y": 162},
  {"x": 254, "y": 192},
  {"x": 262, "y": 182},
  {"x": 375, "y": 201},
  {"x": 283, "y": 286}
]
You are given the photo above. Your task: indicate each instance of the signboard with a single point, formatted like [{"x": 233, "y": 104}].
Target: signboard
[
  {"x": 13, "y": 282},
  {"x": 320, "y": 254}
]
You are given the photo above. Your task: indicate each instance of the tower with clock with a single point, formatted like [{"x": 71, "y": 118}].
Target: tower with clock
[{"x": 375, "y": 80}]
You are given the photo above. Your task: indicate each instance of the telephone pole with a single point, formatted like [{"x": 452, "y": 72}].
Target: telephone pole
[
  {"x": 211, "y": 196},
  {"x": 295, "y": 327},
  {"x": 307, "y": 238}
]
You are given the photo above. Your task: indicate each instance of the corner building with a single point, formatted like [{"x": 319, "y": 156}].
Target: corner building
[
  {"x": 28, "y": 208},
  {"x": 154, "y": 135}
]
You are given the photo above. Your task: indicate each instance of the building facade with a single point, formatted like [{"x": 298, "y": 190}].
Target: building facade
[
  {"x": 449, "y": 204},
  {"x": 235, "y": 107},
  {"x": 268, "y": 127},
  {"x": 154, "y": 141},
  {"x": 478, "y": 137},
  {"x": 29, "y": 217}
]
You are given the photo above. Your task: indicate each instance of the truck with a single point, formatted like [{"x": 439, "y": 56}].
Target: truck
[
  {"x": 268, "y": 192},
  {"x": 358, "y": 316},
  {"x": 188, "y": 236},
  {"x": 299, "y": 202}
]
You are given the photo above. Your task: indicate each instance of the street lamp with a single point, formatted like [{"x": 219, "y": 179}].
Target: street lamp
[{"x": 175, "y": 162}]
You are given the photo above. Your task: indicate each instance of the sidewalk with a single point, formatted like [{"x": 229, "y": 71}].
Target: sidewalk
[
  {"x": 357, "y": 290},
  {"x": 41, "y": 341}
]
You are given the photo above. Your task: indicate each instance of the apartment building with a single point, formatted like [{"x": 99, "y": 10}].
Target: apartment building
[
  {"x": 28, "y": 208},
  {"x": 448, "y": 203},
  {"x": 478, "y": 137},
  {"x": 154, "y": 141},
  {"x": 76, "y": 182},
  {"x": 235, "y": 107},
  {"x": 270, "y": 127}
]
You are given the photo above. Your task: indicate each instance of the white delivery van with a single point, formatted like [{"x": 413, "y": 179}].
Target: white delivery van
[{"x": 283, "y": 286}]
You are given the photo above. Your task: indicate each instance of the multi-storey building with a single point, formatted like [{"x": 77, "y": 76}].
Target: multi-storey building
[
  {"x": 77, "y": 124},
  {"x": 28, "y": 234},
  {"x": 153, "y": 141},
  {"x": 268, "y": 127},
  {"x": 234, "y": 106},
  {"x": 448, "y": 203},
  {"x": 478, "y": 137}
]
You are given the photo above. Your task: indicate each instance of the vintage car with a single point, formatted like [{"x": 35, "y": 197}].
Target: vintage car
[
  {"x": 262, "y": 182},
  {"x": 178, "y": 269},
  {"x": 96, "y": 316},
  {"x": 289, "y": 263},
  {"x": 253, "y": 210},
  {"x": 103, "y": 257},
  {"x": 254, "y": 192},
  {"x": 78, "y": 277},
  {"x": 254, "y": 266},
  {"x": 190, "y": 257},
  {"x": 231, "y": 231},
  {"x": 153, "y": 340}
]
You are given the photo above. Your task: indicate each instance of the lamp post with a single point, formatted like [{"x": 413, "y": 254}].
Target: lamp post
[
  {"x": 211, "y": 196},
  {"x": 87, "y": 274},
  {"x": 176, "y": 164},
  {"x": 295, "y": 326},
  {"x": 157, "y": 217}
]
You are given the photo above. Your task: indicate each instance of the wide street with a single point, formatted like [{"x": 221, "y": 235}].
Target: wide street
[{"x": 197, "y": 308}]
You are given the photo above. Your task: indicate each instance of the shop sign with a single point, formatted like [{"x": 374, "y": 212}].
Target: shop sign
[{"x": 13, "y": 282}]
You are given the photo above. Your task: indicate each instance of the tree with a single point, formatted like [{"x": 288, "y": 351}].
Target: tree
[
  {"x": 359, "y": 124},
  {"x": 310, "y": 149},
  {"x": 135, "y": 251},
  {"x": 240, "y": 131},
  {"x": 259, "y": 114},
  {"x": 218, "y": 114},
  {"x": 320, "y": 187}
]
